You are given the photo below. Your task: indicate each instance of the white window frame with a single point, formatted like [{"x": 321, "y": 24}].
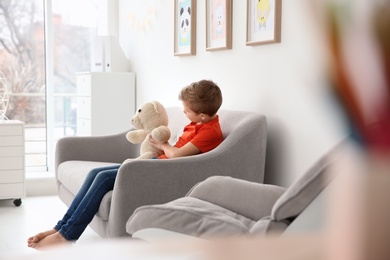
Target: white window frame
[
  {"x": 50, "y": 151},
  {"x": 109, "y": 11}
]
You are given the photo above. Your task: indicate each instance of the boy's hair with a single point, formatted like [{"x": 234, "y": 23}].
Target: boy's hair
[{"x": 203, "y": 96}]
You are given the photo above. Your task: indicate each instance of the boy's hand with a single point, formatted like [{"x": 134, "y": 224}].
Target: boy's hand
[{"x": 155, "y": 143}]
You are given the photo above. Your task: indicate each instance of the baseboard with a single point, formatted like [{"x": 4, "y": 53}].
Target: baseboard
[{"x": 44, "y": 186}]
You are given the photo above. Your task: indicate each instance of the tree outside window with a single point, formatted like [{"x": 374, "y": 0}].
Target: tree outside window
[{"x": 22, "y": 61}]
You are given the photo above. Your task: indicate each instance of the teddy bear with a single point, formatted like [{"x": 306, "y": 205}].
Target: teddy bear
[{"x": 150, "y": 119}]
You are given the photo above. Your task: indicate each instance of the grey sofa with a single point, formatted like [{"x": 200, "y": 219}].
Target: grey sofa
[
  {"x": 144, "y": 182},
  {"x": 226, "y": 206}
]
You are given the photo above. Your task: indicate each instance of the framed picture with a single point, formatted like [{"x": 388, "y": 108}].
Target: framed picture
[
  {"x": 185, "y": 27},
  {"x": 263, "y": 21},
  {"x": 218, "y": 24}
]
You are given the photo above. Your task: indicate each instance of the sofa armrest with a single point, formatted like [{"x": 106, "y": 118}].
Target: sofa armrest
[
  {"x": 146, "y": 182},
  {"x": 108, "y": 148},
  {"x": 249, "y": 199}
]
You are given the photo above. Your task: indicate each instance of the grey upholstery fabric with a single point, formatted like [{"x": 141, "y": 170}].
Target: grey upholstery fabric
[
  {"x": 190, "y": 216},
  {"x": 71, "y": 174},
  {"x": 146, "y": 182},
  {"x": 249, "y": 199},
  {"x": 219, "y": 205},
  {"x": 269, "y": 208},
  {"x": 267, "y": 226},
  {"x": 302, "y": 191}
]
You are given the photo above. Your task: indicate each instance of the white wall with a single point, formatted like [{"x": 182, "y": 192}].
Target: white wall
[{"x": 282, "y": 81}]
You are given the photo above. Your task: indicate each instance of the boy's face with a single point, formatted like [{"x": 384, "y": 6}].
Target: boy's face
[{"x": 191, "y": 115}]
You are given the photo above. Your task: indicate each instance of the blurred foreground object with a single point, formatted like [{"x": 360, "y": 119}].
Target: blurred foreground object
[
  {"x": 358, "y": 34},
  {"x": 358, "y": 212}
]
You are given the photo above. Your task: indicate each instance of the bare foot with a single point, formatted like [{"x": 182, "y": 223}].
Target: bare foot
[
  {"x": 31, "y": 241},
  {"x": 55, "y": 239}
]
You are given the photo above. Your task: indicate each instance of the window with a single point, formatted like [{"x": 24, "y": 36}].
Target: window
[
  {"x": 74, "y": 26},
  {"x": 23, "y": 65},
  {"x": 42, "y": 93}
]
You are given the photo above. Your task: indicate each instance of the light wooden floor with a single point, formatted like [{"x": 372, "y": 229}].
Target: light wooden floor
[{"x": 36, "y": 214}]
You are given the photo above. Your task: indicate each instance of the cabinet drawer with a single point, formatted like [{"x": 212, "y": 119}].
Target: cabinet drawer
[
  {"x": 11, "y": 141},
  {"x": 11, "y": 163},
  {"x": 84, "y": 107},
  {"x": 83, "y": 82},
  {"x": 12, "y": 190},
  {"x": 11, "y": 151},
  {"x": 11, "y": 176},
  {"x": 6, "y": 130}
]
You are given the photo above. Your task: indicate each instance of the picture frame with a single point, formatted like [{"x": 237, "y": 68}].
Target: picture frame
[
  {"x": 263, "y": 22},
  {"x": 218, "y": 24},
  {"x": 185, "y": 27}
]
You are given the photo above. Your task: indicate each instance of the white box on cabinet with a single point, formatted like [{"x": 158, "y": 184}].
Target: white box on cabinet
[
  {"x": 105, "y": 102},
  {"x": 108, "y": 56}
]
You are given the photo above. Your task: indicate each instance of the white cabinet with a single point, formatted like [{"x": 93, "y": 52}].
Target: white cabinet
[
  {"x": 12, "y": 170},
  {"x": 105, "y": 102}
]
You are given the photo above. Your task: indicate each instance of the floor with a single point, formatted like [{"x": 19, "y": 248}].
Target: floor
[{"x": 36, "y": 214}]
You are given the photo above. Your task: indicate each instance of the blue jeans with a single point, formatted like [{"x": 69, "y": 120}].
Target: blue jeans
[{"x": 86, "y": 204}]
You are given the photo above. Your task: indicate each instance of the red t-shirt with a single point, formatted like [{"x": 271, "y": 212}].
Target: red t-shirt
[{"x": 205, "y": 136}]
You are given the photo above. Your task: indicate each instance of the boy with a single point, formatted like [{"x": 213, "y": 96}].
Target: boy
[{"x": 201, "y": 101}]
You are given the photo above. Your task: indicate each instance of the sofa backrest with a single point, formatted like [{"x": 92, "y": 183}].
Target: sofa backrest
[
  {"x": 176, "y": 122},
  {"x": 302, "y": 192},
  {"x": 245, "y": 139},
  {"x": 230, "y": 120}
]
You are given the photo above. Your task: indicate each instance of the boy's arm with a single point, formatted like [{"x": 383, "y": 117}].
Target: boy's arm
[{"x": 173, "y": 152}]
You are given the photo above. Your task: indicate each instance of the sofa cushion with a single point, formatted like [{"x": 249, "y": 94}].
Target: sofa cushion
[
  {"x": 71, "y": 175},
  {"x": 250, "y": 199},
  {"x": 105, "y": 206},
  {"x": 190, "y": 216}
]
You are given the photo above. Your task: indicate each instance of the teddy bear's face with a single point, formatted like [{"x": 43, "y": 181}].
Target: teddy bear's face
[{"x": 149, "y": 116}]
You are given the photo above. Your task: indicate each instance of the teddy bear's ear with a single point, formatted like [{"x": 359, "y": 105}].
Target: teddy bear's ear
[
  {"x": 156, "y": 106},
  {"x": 161, "y": 113}
]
